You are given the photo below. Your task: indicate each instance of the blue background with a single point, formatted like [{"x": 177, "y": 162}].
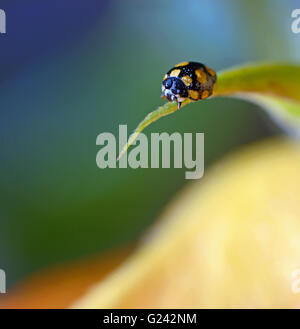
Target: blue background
[{"x": 70, "y": 70}]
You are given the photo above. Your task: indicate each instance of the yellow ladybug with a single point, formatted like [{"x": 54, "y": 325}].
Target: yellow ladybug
[{"x": 188, "y": 80}]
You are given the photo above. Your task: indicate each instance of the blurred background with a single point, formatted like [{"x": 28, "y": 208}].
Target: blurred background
[{"x": 73, "y": 69}]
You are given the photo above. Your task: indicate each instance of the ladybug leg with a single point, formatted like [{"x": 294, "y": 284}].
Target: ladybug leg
[{"x": 178, "y": 105}]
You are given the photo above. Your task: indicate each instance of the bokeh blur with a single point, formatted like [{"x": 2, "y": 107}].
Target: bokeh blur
[{"x": 73, "y": 69}]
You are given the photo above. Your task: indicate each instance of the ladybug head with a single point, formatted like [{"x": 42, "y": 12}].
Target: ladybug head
[{"x": 173, "y": 89}]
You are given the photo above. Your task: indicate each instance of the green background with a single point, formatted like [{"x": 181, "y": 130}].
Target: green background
[{"x": 56, "y": 204}]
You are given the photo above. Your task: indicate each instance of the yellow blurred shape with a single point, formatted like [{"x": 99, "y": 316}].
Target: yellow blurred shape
[
  {"x": 60, "y": 286},
  {"x": 230, "y": 240}
]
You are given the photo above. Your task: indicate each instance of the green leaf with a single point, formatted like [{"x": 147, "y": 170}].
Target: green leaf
[{"x": 274, "y": 86}]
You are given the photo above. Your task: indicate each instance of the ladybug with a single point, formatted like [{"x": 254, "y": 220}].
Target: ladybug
[{"x": 188, "y": 80}]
